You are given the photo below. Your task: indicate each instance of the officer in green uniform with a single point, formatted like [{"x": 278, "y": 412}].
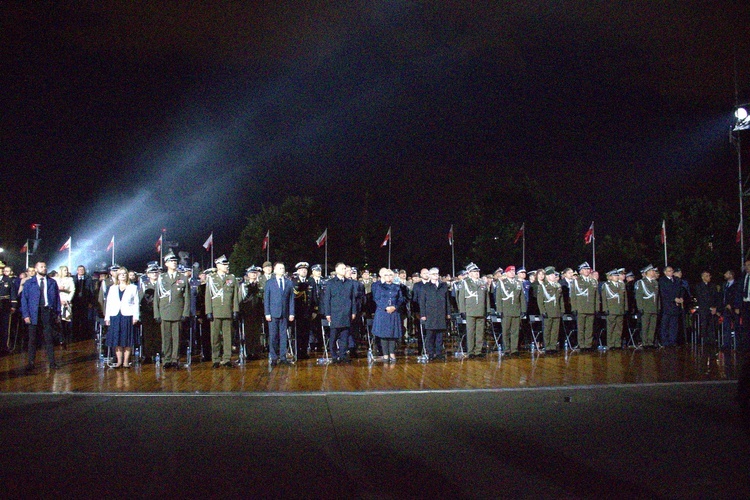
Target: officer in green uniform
[
  {"x": 550, "y": 300},
  {"x": 473, "y": 303},
  {"x": 171, "y": 308},
  {"x": 510, "y": 303},
  {"x": 222, "y": 306},
  {"x": 647, "y": 302},
  {"x": 584, "y": 299},
  {"x": 615, "y": 304}
]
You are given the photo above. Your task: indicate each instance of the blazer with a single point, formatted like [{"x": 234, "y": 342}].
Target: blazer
[
  {"x": 278, "y": 303},
  {"x": 130, "y": 305},
  {"x": 31, "y": 298},
  {"x": 340, "y": 302}
]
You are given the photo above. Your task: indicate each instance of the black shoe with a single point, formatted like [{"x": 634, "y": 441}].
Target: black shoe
[
  {"x": 228, "y": 365},
  {"x": 274, "y": 362},
  {"x": 215, "y": 365},
  {"x": 440, "y": 356},
  {"x": 54, "y": 366},
  {"x": 285, "y": 362}
]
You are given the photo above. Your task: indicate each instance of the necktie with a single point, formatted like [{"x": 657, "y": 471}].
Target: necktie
[
  {"x": 43, "y": 290},
  {"x": 281, "y": 284}
]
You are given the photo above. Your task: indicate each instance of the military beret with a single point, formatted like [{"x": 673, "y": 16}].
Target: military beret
[{"x": 510, "y": 268}]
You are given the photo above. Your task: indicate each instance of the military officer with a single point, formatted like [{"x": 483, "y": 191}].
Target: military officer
[
  {"x": 473, "y": 304},
  {"x": 316, "y": 295},
  {"x": 510, "y": 303},
  {"x": 251, "y": 311},
  {"x": 171, "y": 308},
  {"x": 222, "y": 306},
  {"x": 615, "y": 305},
  {"x": 366, "y": 280},
  {"x": 550, "y": 300},
  {"x": 584, "y": 299},
  {"x": 8, "y": 304},
  {"x": 647, "y": 301},
  {"x": 267, "y": 274},
  {"x": 303, "y": 308}
]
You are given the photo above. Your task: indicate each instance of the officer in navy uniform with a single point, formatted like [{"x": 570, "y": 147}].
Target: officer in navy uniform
[
  {"x": 303, "y": 308},
  {"x": 317, "y": 284},
  {"x": 8, "y": 305}
]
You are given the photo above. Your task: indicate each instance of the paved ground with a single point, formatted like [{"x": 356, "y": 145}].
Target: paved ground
[{"x": 673, "y": 440}]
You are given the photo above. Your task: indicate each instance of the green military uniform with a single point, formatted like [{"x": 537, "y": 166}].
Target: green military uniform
[
  {"x": 223, "y": 302},
  {"x": 171, "y": 307},
  {"x": 510, "y": 303},
  {"x": 584, "y": 298},
  {"x": 647, "y": 302},
  {"x": 550, "y": 300},
  {"x": 615, "y": 304},
  {"x": 474, "y": 302}
]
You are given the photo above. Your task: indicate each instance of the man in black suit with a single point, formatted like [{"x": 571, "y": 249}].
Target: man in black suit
[
  {"x": 340, "y": 306},
  {"x": 742, "y": 342},
  {"x": 670, "y": 292},
  {"x": 434, "y": 308},
  {"x": 730, "y": 308},
  {"x": 278, "y": 304},
  {"x": 708, "y": 303},
  {"x": 83, "y": 303}
]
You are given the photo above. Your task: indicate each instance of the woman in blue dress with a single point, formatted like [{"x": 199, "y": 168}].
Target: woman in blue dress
[
  {"x": 387, "y": 324},
  {"x": 122, "y": 313}
]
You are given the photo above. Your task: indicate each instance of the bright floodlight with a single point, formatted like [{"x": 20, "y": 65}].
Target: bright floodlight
[
  {"x": 741, "y": 114},
  {"x": 742, "y": 120}
]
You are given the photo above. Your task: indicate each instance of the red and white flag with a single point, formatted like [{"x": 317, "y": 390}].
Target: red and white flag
[
  {"x": 111, "y": 244},
  {"x": 66, "y": 245},
  {"x": 158, "y": 244},
  {"x": 25, "y": 247},
  {"x": 589, "y": 234},
  {"x": 739, "y": 233},
  {"x": 663, "y": 234},
  {"x": 266, "y": 239},
  {"x": 322, "y": 238},
  {"x": 450, "y": 235},
  {"x": 209, "y": 242},
  {"x": 387, "y": 237},
  {"x": 520, "y": 232}
]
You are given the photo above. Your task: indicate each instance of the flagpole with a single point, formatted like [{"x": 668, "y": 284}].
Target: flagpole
[
  {"x": 212, "y": 248},
  {"x": 268, "y": 247},
  {"x": 27, "y": 254},
  {"x": 664, "y": 229},
  {"x": 523, "y": 247},
  {"x": 325, "y": 263},
  {"x": 593, "y": 249},
  {"x": 453, "y": 252},
  {"x": 390, "y": 242},
  {"x": 70, "y": 251},
  {"x": 113, "y": 249},
  {"x": 161, "y": 246}
]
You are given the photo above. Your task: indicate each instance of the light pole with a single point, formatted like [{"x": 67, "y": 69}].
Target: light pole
[{"x": 741, "y": 122}]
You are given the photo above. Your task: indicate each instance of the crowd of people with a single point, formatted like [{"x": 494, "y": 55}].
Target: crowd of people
[{"x": 225, "y": 316}]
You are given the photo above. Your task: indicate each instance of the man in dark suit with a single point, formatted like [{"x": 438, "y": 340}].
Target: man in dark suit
[
  {"x": 434, "y": 309},
  {"x": 708, "y": 302},
  {"x": 83, "y": 304},
  {"x": 745, "y": 308},
  {"x": 730, "y": 303},
  {"x": 278, "y": 306},
  {"x": 40, "y": 308},
  {"x": 670, "y": 292},
  {"x": 340, "y": 306}
]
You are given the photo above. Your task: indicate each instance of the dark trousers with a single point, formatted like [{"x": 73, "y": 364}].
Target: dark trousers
[
  {"x": 4, "y": 323},
  {"x": 81, "y": 320},
  {"x": 729, "y": 325},
  {"x": 342, "y": 336},
  {"x": 44, "y": 323},
  {"x": 707, "y": 325},
  {"x": 277, "y": 337},
  {"x": 302, "y": 332},
  {"x": 434, "y": 342},
  {"x": 669, "y": 328}
]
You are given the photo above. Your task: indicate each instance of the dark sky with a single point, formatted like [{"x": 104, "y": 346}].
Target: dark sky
[{"x": 130, "y": 117}]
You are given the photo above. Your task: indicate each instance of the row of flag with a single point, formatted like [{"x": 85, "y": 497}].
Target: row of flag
[{"x": 588, "y": 237}]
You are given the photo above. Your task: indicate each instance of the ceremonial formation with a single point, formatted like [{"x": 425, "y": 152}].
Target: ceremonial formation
[{"x": 168, "y": 317}]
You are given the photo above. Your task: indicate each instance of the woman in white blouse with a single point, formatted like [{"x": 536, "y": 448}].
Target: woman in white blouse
[{"x": 122, "y": 313}]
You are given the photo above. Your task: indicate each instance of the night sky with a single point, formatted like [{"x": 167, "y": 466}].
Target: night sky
[{"x": 122, "y": 117}]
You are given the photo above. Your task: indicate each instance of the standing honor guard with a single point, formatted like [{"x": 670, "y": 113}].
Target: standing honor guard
[
  {"x": 473, "y": 303},
  {"x": 647, "y": 301},
  {"x": 222, "y": 306},
  {"x": 171, "y": 308},
  {"x": 615, "y": 305},
  {"x": 303, "y": 308},
  {"x": 584, "y": 299},
  {"x": 510, "y": 303},
  {"x": 550, "y": 300}
]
